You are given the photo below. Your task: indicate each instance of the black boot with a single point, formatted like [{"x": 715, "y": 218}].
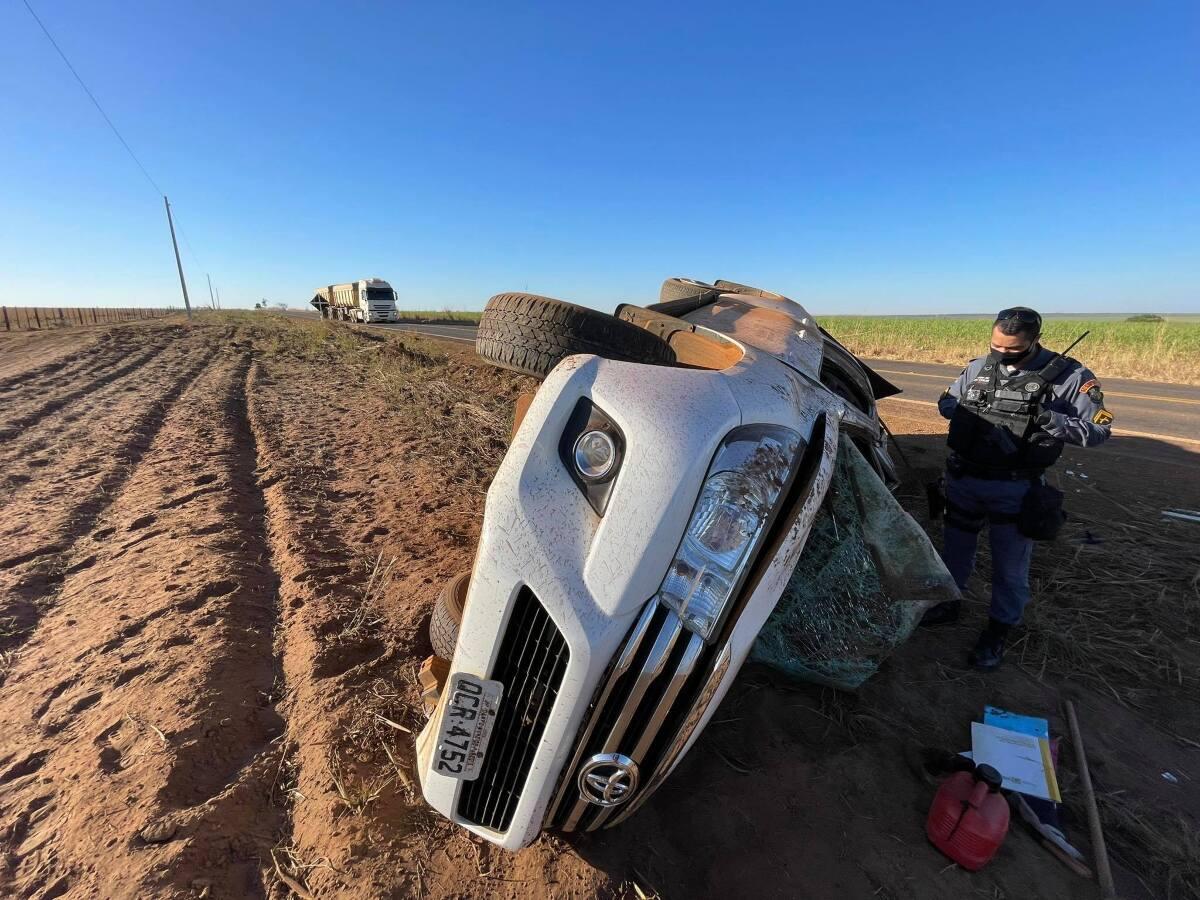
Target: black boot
[
  {"x": 989, "y": 649},
  {"x": 942, "y": 613}
]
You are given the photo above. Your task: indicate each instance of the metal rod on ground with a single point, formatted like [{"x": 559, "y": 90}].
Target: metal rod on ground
[
  {"x": 178, "y": 264},
  {"x": 1103, "y": 872}
]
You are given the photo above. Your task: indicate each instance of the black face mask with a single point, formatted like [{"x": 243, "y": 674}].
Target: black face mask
[{"x": 1009, "y": 358}]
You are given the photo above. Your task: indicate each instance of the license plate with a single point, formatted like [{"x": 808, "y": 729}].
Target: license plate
[{"x": 466, "y": 726}]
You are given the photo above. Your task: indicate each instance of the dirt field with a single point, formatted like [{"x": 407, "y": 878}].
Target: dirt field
[{"x": 219, "y": 545}]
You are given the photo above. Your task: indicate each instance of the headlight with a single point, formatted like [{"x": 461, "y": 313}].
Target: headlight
[{"x": 743, "y": 487}]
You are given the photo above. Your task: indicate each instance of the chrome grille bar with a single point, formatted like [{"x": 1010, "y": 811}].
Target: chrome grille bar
[
  {"x": 679, "y": 677},
  {"x": 694, "y": 648},
  {"x": 651, "y": 669},
  {"x": 675, "y": 750},
  {"x": 620, "y": 667}
]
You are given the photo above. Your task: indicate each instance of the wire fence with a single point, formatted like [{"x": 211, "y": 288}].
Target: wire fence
[{"x": 32, "y": 318}]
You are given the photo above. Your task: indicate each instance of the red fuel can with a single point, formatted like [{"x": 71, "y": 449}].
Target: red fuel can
[{"x": 969, "y": 817}]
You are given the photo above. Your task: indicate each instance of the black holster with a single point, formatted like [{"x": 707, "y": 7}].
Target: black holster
[{"x": 1042, "y": 514}]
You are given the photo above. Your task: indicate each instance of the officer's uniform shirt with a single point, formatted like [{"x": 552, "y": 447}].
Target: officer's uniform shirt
[{"x": 1074, "y": 399}]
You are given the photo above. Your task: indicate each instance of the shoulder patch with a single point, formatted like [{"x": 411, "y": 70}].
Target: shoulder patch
[
  {"x": 1088, "y": 385},
  {"x": 1102, "y": 417}
]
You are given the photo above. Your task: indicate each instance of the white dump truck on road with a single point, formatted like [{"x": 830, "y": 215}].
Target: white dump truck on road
[{"x": 368, "y": 300}]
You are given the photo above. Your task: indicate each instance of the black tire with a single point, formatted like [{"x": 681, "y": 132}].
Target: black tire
[
  {"x": 685, "y": 289},
  {"x": 447, "y": 616},
  {"x": 531, "y": 335}
]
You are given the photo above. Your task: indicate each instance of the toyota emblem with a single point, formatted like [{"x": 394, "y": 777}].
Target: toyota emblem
[{"x": 608, "y": 779}]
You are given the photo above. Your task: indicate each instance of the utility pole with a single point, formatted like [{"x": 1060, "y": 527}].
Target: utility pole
[
  {"x": 179, "y": 265},
  {"x": 211, "y": 301},
  {"x": 218, "y": 296}
]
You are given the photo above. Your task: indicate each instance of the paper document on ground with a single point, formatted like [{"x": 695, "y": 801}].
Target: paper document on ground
[
  {"x": 1002, "y": 718},
  {"x": 1023, "y": 760}
]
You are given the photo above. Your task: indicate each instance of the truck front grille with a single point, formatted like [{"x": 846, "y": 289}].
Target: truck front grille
[{"x": 531, "y": 663}]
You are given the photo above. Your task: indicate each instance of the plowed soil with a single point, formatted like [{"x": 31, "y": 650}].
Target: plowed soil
[{"x": 219, "y": 546}]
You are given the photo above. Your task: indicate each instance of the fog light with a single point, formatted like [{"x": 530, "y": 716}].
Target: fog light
[{"x": 595, "y": 454}]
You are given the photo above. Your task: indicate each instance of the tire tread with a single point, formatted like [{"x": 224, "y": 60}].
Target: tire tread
[
  {"x": 531, "y": 334},
  {"x": 446, "y": 619}
]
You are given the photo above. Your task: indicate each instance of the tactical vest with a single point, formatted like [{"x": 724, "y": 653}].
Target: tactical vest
[{"x": 995, "y": 423}]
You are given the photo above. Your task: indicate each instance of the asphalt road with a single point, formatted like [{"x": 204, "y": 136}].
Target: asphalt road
[{"x": 1142, "y": 408}]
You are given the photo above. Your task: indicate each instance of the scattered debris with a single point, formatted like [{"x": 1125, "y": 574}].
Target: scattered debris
[
  {"x": 1103, "y": 871},
  {"x": 1187, "y": 515},
  {"x": 159, "y": 832},
  {"x": 396, "y": 725}
]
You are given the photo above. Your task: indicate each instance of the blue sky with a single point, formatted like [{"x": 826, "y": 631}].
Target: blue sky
[{"x": 859, "y": 157}]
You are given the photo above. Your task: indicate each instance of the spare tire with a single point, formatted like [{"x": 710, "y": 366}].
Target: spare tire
[
  {"x": 531, "y": 335},
  {"x": 447, "y": 615}
]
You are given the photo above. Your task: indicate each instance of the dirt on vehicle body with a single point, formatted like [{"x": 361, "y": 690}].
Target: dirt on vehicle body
[{"x": 679, "y": 453}]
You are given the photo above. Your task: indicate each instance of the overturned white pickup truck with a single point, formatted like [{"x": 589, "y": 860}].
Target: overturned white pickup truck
[{"x": 654, "y": 502}]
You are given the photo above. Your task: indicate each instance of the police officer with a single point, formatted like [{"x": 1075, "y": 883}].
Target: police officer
[{"x": 1010, "y": 413}]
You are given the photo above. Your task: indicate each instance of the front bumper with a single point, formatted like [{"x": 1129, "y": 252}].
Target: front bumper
[{"x": 600, "y": 668}]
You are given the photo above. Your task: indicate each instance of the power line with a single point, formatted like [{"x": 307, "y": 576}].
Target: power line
[
  {"x": 92, "y": 96},
  {"x": 128, "y": 149}
]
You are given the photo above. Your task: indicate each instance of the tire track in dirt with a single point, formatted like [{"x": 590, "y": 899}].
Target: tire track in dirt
[
  {"x": 109, "y": 350},
  {"x": 327, "y": 645},
  {"x": 22, "y": 352},
  {"x": 365, "y": 527},
  {"x": 36, "y": 559},
  {"x": 98, "y": 380},
  {"x": 145, "y": 755},
  {"x": 88, "y": 433},
  {"x": 34, "y": 451},
  {"x": 62, "y": 365}
]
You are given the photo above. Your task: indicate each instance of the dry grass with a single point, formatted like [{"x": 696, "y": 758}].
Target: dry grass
[
  {"x": 461, "y": 412},
  {"x": 366, "y": 613},
  {"x": 1163, "y": 848},
  {"x": 1124, "y": 615},
  {"x": 355, "y": 792},
  {"x": 8, "y": 659}
]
